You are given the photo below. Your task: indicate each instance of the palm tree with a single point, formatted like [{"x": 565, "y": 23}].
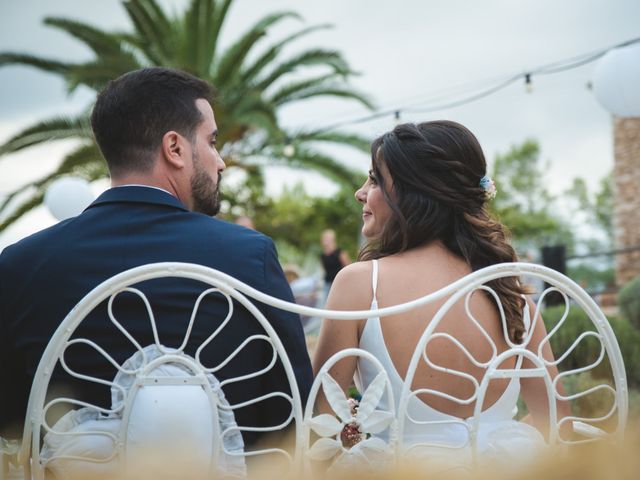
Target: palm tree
[{"x": 251, "y": 87}]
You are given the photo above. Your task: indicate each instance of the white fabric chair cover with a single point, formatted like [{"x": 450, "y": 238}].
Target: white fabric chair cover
[{"x": 169, "y": 422}]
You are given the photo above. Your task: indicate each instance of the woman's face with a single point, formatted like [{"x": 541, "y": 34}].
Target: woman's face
[{"x": 375, "y": 210}]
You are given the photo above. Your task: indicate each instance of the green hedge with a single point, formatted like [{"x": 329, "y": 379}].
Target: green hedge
[
  {"x": 588, "y": 350},
  {"x": 629, "y": 301}
]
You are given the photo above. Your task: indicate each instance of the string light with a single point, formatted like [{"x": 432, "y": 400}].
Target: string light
[
  {"x": 288, "y": 150},
  {"x": 527, "y": 83},
  {"x": 552, "y": 68}
]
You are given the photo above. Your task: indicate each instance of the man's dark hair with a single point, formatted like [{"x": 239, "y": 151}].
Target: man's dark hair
[{"x": 134, "y": 111}]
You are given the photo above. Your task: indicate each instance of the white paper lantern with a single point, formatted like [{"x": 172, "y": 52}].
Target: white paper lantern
[
  {"x": 67, "y": 197},
  {"x": 616, "y": 81}
]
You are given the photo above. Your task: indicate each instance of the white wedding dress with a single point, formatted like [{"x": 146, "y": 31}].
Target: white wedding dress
[{"x": 445, "y": 438}]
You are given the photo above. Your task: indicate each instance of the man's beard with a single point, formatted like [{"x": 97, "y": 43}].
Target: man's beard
[{"x": 203, "y": 191}]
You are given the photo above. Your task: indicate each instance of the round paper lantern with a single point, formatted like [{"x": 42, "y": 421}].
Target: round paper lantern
[
  {"x": 616, "y": 81},
  {"x": 67, "y": 197}
]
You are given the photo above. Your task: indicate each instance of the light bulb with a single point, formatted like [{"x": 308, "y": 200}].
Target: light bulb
[{"x": 289, "y": 150}]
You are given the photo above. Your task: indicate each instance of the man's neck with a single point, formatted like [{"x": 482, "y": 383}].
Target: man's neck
[
  {"x": 143, "y": 181},
  {"x": 154, "y": 180},
  {"x": 142, "y": 185}
]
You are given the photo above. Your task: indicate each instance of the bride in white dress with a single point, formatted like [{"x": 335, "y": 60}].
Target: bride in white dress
[{"x": 426, "y": 225}]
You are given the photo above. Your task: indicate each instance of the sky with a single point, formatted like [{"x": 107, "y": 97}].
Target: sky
[{"x": 408, "y": 54}]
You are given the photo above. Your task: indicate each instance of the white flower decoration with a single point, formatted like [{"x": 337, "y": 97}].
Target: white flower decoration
[{"x": 346, "y": 436}]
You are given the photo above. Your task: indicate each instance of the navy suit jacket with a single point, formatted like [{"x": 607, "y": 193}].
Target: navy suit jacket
[{"x": 43, "y": 276}]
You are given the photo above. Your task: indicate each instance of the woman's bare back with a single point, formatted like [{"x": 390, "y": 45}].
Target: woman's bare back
[{"x": 421, "y": 271}]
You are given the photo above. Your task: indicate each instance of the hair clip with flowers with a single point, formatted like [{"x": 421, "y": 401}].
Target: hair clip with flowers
[{"x": 489, "y": 187}]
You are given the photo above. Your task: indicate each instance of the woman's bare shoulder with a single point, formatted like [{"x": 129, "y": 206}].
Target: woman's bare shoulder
[
  {"x": 356, "y": 274},
  {"x": 351, "y": 288}
]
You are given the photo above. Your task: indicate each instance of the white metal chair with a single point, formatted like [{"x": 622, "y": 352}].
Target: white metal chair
[
  {"x": 160, "y": 392},
  {"x": 586, "y": 427},
  {"x": 387, "y": 416},
  {"x": 361, "y": 432}
]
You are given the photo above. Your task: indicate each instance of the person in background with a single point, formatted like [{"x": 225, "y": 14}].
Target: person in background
[
  {"x": 245, "y": 221},
  {"x": 333, "y": 259},
  {"x": 304, "y": 292}
]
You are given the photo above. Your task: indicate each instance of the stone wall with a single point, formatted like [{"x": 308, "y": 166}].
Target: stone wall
[{"x": 626, "y": 220}]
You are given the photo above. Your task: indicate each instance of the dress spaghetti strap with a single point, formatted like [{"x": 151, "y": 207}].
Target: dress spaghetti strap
[{"x": 374, "y": 284}]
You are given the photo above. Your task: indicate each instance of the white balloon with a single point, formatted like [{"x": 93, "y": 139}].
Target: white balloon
[
  {"x": 616, "y": 81},
  {"x": 67, "y": 197}
]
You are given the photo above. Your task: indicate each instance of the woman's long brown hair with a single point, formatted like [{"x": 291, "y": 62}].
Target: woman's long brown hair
[{"x": 436, "y": 169}]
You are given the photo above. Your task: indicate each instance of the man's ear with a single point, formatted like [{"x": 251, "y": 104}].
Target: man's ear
[{"x": 174, "y": 149}]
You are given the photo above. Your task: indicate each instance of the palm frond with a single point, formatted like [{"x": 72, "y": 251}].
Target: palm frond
[
  {"x": 9, "y": 198},
  {"x": 53, "y": 66},
  {"x": 293, "y": 93},
  {"x": 85, "y": 161},
  {"x": 252, "y": 84},
  {"x": 96, "y": 74},
  {"x": 301, "y": 85},
  {"x": 156, "y": 13},
  {"x": 101, "y": 42},
  {"x": 219, "y": 15},
  {"x": 152, "y": 30},
  {"x": 255, "y": 119},
  {"x": 314, "y": 57},
  {"x": 25, "y": 206},
  {"x": 306, "y": 159},
  {"x": 57, "y": 128},
  {"x": 331, "y": 136},
  {"x": 270, "y": 55},
  {"x": 199, "y": 36},
  {"x": 231, "y": 62},
  {"x": 80, "y": 158},
  {"x": 257, "y": 116}
]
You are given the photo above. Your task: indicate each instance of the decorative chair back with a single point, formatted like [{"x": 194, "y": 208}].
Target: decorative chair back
[
  {"x": 611, "y": 383},
  {"x": 161, "y": 397},
  {"x": 357, "y": 431},
  {"x": 381, "y": 419}
]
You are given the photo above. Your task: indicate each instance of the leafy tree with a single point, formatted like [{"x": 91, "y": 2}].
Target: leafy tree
[
  {"x": 295, "y": 221},
  {"x": 523, "y": 203},
  {"x": 596, "y": 211},
  {"x": 252, "y": 85},
  {"x": 598, "y": 206}
]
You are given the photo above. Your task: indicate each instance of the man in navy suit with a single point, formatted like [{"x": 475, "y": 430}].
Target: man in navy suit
[{"x": 157, "y": 131}]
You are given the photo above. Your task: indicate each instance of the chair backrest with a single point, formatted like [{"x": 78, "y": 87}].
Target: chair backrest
[
  {"x": 357, "y": 431},
  {"x": 606, "y": 390},
  {"x": 161, "y": 397},
  {"x": 387, "y": 417},
  {"x": 607, "y": 385}
]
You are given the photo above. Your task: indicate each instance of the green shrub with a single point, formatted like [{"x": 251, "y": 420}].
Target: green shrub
[
  {"x": 629, "y": 301},
  {"x": 634, "y": 404},
  {"x": 587, "y": 352},
  {"x": 593, "y": 405},
  {"x": 629, "y": 340}
]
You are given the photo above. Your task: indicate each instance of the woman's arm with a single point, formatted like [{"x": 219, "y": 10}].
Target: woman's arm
[{"x": 351, "y": 290}]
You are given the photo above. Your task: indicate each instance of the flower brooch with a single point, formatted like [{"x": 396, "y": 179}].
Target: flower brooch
[
  {"x": 489, "y": 187},
  {"x": 347, "y": 436}
]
